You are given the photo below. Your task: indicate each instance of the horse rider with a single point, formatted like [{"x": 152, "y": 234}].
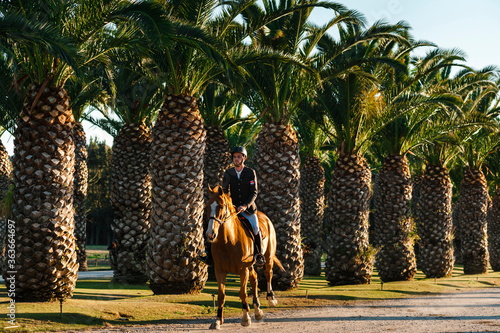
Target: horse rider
[{"x": 241, "y": 183}]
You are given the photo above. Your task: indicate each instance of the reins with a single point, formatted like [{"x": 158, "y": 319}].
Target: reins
[{"x": 224, "y": 220}]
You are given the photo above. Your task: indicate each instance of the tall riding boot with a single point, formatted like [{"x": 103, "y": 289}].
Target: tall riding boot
[
  {"x": 207, "y": 258},
  {"x": 258, "y": 256}
]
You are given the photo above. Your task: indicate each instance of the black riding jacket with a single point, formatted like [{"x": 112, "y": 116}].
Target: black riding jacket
[{"x": 243, "y": 191}]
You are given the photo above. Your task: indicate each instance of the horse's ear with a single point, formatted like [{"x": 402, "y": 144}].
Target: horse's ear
[{"x": 209, "y": 188}]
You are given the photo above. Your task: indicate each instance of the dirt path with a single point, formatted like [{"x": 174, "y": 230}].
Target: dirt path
[{"x": 473, "y": 311}]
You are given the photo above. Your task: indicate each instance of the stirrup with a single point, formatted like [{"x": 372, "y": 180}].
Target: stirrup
[{"x": 204, "y": 259}]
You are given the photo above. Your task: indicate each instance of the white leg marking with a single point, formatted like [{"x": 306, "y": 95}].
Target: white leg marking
[{"x": 246, "y": 321}]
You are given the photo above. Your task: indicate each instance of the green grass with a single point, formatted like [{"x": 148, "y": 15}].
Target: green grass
[
  {"x": 98, "y": 258},
  {"x": 102, "y": 303}
]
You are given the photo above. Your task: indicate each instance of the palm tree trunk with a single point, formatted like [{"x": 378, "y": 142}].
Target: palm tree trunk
[
  {"x": 131, "y": 201},
  {"x": 393, "y": 225},
  {"x": 278, "y": 161},
  {"x": 42, "y": 206},
  {"x": 312, "y": 205},
  {"x": 217, "y": 158},
  {"x": 434, "y": 222},
  {"x": 473, "y": 210},
  {"x": 415, "y": 199},
  {"x": 494, "y": 231},
  {"x": 178, "y": 151},
  {"x": 457, "y": 243},
  {"x": 5, "y": 181},
  {"x": 349, "y": 256},
  {"x": 80, "y": 195}
]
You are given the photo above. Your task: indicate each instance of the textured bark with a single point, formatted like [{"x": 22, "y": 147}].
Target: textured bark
[
  {"x": 312, "y": 205},
  {"x": 177, "y": 195},
  {"x": 278, "y": 161},
  {"x": 415, "y": 198},
  {"x": 457, "y": 243},
  {"x": 472, "y": 221},
  {"x": 349, "y": 256},
  {"x": 217, "y": 158},
  {"x": 43, "y": 168},
  {"x": 5, "y": 181},
  {"x": 393, "y": 224},
  {"x": 434, "y": 223},
  {"x": 131, "y": 201},
  {"x": 494, "y": 231},
  {"x": 80, "y": 195}
]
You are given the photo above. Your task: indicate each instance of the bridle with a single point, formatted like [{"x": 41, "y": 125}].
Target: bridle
[{"x": 222, "y": 221}]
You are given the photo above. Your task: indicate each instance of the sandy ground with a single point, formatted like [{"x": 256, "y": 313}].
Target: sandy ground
[{"x": 472, "y": 311}]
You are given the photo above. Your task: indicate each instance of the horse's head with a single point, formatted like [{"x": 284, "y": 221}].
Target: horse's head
[{"x": 218, "y": 211}]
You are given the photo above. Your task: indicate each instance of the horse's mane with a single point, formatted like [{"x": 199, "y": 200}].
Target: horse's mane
[{"x": 226, "y": 198}]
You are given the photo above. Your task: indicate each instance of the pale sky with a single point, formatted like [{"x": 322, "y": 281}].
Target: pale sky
[{"x": 472, "y": 26}]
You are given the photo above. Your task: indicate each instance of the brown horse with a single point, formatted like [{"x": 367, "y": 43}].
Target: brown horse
[{"x": 232, "y": 251}]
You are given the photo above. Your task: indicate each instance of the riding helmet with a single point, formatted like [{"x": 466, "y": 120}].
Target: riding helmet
[{"x": 239, "y": 149}]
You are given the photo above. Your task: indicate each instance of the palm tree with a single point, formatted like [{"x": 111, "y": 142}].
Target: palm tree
[
  {"x": 348, "y": 90},
  {"x": 184, "y": 70},
  {"x": 312, "y": 186},
  {"x": 478, "y": 141},
  {"x": 493, "y": 218},
  {"x": 82, "y": 93},
  {"x": 275, "y": 89},
  {"x": 217, "y": 105},
  {"x": 405, "y": 101},
  {"x": 43, "y": 164},
  {"x": 178, "y": 151},
  {"x": 10, "y": 105},
  {"x": 136, "y": 103},
  {"x": 434, "y": 213},
  {"x": 433, "y": 209}
]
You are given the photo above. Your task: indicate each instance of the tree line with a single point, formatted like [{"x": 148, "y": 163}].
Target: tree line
[{"x": 180, "y": 82}]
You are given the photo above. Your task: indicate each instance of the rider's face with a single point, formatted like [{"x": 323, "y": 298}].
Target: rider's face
[{"x": 238, "y": 159}]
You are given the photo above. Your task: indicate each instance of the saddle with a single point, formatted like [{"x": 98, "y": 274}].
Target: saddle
[{"x": 248, "y": 227}]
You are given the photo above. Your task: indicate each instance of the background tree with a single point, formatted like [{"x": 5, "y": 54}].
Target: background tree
[
  {"x": 178, "y": 150},
  {"x": 136, "y": 102},
  {"x": 216, "y": 108},
  {"x": 493, "y": 218},
  {"x": 404, "y": 100},
  {"x": 348, "y": 85},
  {"x": 100, "y": 214},
  {"x": 480, "y": 106},
  {"x": 273, "y": 91},
  {"x": 83, "y": 93},
  {"x": 312, "y": 185},
  {"x": 74, "y": 34}
]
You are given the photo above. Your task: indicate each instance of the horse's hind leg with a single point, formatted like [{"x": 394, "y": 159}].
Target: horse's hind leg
[
  {"x": 256, "y": 304},
  {"x": 268, "y": 271},
  {"x": 221, "y": 281},
  {"x": 245, "y": 320}
]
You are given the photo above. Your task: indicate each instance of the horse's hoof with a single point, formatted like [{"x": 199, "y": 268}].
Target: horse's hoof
[
  {"x": 246, "y": 323},
  {"x": 215, "y": 325},
  {"x": 259, "y": 314},
  {"x": 272, "y": 302}
]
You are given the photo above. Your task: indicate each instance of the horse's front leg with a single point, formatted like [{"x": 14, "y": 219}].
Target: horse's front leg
[
  {"x": 245, "y": 320},
  {"x": 255, "y": 291},
  {"x": 221, "y": 281}
]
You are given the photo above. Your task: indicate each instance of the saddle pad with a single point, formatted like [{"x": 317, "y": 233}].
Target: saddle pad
[{"x": 248, "y": 227}]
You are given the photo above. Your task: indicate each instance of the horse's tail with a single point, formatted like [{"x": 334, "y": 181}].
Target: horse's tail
[{"x": 277, "y": 262}]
